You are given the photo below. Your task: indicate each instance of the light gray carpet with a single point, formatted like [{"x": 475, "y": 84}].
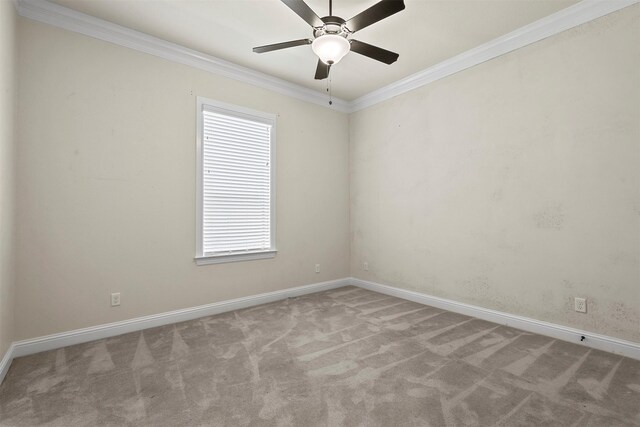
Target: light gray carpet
[{"x": 343, "y": 357}]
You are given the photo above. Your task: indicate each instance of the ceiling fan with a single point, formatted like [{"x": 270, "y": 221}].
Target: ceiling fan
[{"x": 331, "y": 34}]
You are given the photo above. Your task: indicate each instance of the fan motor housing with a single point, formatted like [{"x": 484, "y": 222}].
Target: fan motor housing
[{"x": 332, "y": 25}]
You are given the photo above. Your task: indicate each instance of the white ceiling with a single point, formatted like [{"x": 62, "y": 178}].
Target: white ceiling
[{"x": 424, "y": 34}]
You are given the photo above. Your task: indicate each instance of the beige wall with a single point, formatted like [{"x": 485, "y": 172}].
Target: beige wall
[
  {"x": 514, "y": 185},
  {"x": 8, "y": 104},
  {"x": 107, "y": 186}
]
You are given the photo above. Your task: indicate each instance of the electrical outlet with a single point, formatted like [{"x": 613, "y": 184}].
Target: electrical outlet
[
  {"x": 115, "y": 299},
  {"x": 365, "y": 266},
  {"x": 317, "y": 268},
  {"x": 580, "y": 305}
]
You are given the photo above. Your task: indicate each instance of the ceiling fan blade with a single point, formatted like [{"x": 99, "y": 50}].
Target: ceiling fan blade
[
  {"x": 375, "y": 13},
  {"x": 304, "y": 12},
  {"x": 283, "y": 45},
  {"x": 374, "y": 52},
  {"x": 322, "y": 70}
]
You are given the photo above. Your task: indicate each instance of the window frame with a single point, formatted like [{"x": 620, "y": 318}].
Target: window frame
[{"x": 218, "y": 107}]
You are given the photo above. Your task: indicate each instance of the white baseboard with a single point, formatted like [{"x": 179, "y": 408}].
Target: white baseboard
[
  {"x": 6, "y": 362},
  {"x": 565, "y": 333},
  {"x": 50, "y": 342}
]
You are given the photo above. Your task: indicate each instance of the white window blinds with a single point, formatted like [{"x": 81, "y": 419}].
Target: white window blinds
[{"x": 236, "y": 156}]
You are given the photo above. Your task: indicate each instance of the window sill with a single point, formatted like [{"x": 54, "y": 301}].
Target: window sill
[{"x": 219, "y": 259}]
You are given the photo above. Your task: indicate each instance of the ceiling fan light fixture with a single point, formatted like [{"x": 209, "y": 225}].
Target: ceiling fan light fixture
[{"x": 330, "y": 48}]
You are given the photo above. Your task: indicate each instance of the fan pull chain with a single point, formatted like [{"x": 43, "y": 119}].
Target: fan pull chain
[{"x": 329, "y": 88}]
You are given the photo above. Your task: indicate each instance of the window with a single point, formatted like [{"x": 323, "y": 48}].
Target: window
[{"x": 235, "y": 183}]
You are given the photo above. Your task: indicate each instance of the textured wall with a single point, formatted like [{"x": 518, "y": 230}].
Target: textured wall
[
  {"x": 514, "y": 185},
  {"x": 107, "y": 186},
  {"x": 8, "y": 104}
]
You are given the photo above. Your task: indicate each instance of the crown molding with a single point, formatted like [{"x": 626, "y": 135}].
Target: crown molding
[
  {"x": 68, "y": 19},
  {"x": 579, "y": 13}
]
